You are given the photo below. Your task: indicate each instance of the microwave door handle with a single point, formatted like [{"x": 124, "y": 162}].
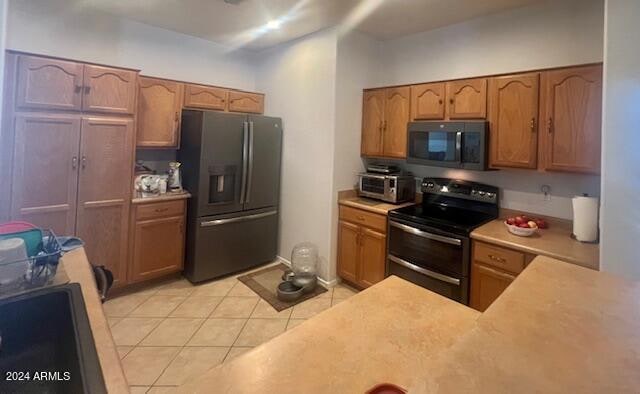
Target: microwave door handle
[{"x": 458, "y": 146}]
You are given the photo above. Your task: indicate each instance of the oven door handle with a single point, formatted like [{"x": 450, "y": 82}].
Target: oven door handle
[
  {"x": 413, "y": 267},
  {"x": 424, "y": 234}
]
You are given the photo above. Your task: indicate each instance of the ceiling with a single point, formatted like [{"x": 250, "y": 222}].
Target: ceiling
[{"x": 242, "y": 24}]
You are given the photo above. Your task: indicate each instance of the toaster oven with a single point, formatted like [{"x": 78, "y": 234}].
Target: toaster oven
[{"x": 393, "y": 188}]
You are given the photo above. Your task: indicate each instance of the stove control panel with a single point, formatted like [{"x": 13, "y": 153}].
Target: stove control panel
[{"x": 461, "y": 189}]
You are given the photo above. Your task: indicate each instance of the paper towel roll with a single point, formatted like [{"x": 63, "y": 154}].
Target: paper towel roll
[{"x": 585, "y": 218}]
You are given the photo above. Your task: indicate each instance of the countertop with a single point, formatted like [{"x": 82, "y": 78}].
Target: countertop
[
  {"x": 553, "y": 242},
  {"x": 78, "y": 270},
  {"x": 138, "y": 199},
  {"x": 384, "y": 334},
  {"x": 558, "y": 328},
  {"x": 350, "y": 198}
]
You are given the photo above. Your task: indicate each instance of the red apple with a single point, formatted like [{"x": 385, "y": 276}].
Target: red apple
[
  {"x": 520, "y": 220},
  {"x": 524, "y": 225},
  {"x": 541, "y": 223},
  {"x": 511, "y": 221}
]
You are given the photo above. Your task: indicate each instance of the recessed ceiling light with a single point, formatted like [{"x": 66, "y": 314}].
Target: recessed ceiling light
[{"x": 274, "y": 24}]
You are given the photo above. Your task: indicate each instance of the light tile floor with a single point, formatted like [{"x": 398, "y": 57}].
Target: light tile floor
[{"x": 175, "y": 330}]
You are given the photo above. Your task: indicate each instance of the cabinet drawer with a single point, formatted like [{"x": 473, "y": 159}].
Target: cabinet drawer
[
  {"x": 160, "y": 209},
  {"x": 496, "y": 256},
  {"x": 364, "y": 218}
]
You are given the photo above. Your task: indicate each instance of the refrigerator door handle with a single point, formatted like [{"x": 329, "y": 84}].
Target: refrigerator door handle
[
  {"x": 245, "y": 142},
  {"x": 237, "y": 219},
  {"x": 250, "y": 164}
]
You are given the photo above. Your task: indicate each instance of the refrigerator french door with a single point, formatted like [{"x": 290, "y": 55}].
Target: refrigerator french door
[{"x": 231, "y": 166}]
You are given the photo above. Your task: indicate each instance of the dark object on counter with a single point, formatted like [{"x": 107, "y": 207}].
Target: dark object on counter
[
  {"x": 104, "y": 280},
  {"x": 386, "y": 388},
  {"x": 394, "y": 188},
  {"x": 231, "y": 167},
  {"x": 47, "y": 331},
  {"x": 429, "y": 243}
]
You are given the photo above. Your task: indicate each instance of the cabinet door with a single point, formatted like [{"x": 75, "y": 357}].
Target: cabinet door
[
  {"x": 207, "y": 97},
  {"x": 159, "y": 112},
  {"x": 373, "y": 247},
  {"x": 109, "y": 90},
  {"x": 104, "y": 191},
  {"x": 372, "y": 121},
  {"x": 45, "y": 171},
  {"x": 48, "y": 84},
  {"x": 396, "y": 117},
  {"x": 246, "y": 102},
  {"x": 486, "y": 285},
  {"x": 572, "y": 116},
  {"x": 158, "y": 248},
  {"x": 467, "y": 99},
  {"x": 513, "y": 114},
  {"x": 427, "y": 101},
  {"x": 348, "y": 254}
]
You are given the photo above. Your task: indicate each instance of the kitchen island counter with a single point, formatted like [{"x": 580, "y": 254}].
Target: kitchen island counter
[{"x": 558, "y": 328}]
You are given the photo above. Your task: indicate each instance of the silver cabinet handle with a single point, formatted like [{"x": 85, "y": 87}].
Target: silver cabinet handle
[
  {"x": 424, "y": 271},
  {"x": 250, "y": 164},
  {"x": 74, "y": 162},
  {"x": 84, "y": 161},
  {"x": 245, "y": 142},
  {"x": 424, "y": 234},
  {"x": 220, "y": 222}
]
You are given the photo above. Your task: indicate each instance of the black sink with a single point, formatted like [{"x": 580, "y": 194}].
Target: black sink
[{"x": 46, "y": 344}]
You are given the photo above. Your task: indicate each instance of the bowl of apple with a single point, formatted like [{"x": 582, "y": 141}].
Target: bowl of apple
[{"x": 524, "y": 226}]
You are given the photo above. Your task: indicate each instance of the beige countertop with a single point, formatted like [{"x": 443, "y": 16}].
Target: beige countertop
[
  {"x": 78, "y": 270},
  {"x": 350, "y": 198},
  {"x": 553, "y": 242},
  {"x": 384, "y": 334},
  {"x": 558, "y": 328},
  {"x": 138, "y": 199}
]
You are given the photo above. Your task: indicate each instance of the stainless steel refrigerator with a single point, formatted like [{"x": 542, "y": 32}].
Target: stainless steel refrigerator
[{"x": 231, "y": 166}]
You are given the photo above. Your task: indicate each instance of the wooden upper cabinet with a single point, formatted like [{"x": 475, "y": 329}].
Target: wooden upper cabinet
[
  {"x": 373, "y": 102},
  {"x": 109, "y": 90},
  {"x": 48, "y": 84},
  {"x": 159, "y": 113},
  {"x": 513, "y": 115},
  {"x": 396, "y": 117},
  {"x": 467, "y": 99},
  {"x": 427, "y": 101},
  {"x": 205, "y": 97},
  {"x": 246, "y": 102},
  {"x": 571, "y": 116},
  {"x": 45, "y": 170},
  {"x": 104, "y": 191}
]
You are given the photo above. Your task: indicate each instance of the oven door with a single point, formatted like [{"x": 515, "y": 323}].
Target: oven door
[
  {"x": 430, "y": 258},
  {"x": 435, "y": 143}
]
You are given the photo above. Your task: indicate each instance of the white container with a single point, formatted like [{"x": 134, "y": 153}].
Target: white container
[
  {"x": 585, "y": 218},
  {"x": 13, "y": 260},
  {"x": 520, "y": 231}
]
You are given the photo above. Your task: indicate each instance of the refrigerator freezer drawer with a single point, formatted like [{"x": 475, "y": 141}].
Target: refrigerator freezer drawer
[{"x": 231, "y": 243}]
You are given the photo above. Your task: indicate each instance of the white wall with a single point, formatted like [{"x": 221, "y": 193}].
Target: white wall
[
  {"x": 548, "y": 34},
  {"x": 3, "y": 43},
  {"x": 299, "y": 81},
  {"x": 354, "y": 72},
  {"x": 56, "y": 28},
  {"x": 620, "y": 212}
]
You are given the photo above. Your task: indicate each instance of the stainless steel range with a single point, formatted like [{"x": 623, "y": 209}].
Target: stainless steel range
[{"x": 429, "y": 244}]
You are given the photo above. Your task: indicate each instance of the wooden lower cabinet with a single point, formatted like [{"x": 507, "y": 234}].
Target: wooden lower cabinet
[
  {"x": 361, "y": 249},
  {"x": 158, "y": 240},
  {"x": 487, "y": 284},
  {"x": 493, "y": 268}
]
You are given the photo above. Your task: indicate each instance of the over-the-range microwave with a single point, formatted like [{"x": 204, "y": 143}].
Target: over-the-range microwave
[{"x": 448, "y": 144}]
